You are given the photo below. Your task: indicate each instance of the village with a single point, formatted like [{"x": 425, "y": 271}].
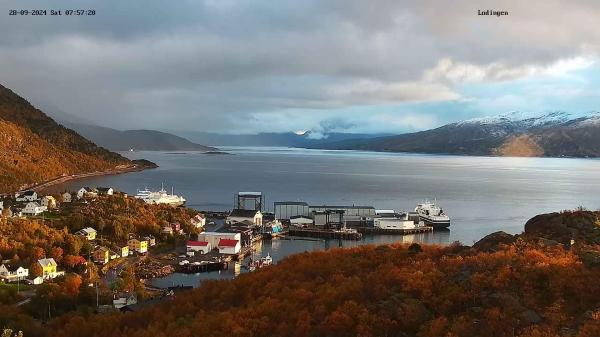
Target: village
[{"x": 202, "y": 242}]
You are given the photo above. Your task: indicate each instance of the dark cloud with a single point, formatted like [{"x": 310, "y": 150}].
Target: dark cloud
[{"x": 242, "y": 65}]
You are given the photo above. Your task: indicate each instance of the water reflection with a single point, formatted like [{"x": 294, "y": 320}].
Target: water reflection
[{"x": 281, "y": 248}]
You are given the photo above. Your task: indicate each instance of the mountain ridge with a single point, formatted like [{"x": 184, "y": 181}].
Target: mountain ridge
[
  {"x": 553, "y": 134},
  {"x": 34, "y": 148},
  {"x": 140, "y": 139}
]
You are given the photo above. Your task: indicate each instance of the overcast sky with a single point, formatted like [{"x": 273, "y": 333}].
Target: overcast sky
[{"x": 349, "y": 66}]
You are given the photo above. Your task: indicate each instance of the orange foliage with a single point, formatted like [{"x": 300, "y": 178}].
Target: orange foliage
[{"x": 378, "y": 291}]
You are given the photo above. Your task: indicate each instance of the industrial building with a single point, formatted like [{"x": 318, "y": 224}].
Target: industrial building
[
  {"x": 330, "y": 218},
  {"x": 285, "y": 210},
  {"x": 249, "y": 200},
  {"x": 350, "y": 212}
]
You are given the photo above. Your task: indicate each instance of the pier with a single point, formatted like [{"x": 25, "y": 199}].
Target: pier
[
  {"x": 325, "y": 233},
  {"x": 400, "y": 231},
  {"x": 192, "y": 268}
]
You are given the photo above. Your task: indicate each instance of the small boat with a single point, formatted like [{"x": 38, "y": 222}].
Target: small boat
[{"x": 266, "y": 261}]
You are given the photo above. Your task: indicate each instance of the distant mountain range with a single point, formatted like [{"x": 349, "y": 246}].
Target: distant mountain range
[
  {"x": 301, "y": 139},
  {"x": 555, "y": 134},
  {"x": 143, "y": 140},
  {"x": 34, "y": 148}
]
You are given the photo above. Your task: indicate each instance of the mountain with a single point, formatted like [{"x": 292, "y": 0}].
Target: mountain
[
  {"x": 554, "y": 134},
  {"x": 286, "y": 139},
  {"x": 145, "y": 140},
  {"x": 34, "y": 148}
]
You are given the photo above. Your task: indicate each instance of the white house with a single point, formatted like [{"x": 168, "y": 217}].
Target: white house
[
  {"x": 66, "y": 197},
  {"x": 36, "y": 280},
  {"x": 89, "y": 233},
  {"x": 13, "y": 274},
  {"x": 300, "y": 221},
  {"x": 213, "y": 238},
  {"x": 33, "y": 208},
  {"x": 229, "y": 246},
  {"x": 124, "y": 300},
  {"x": 48, "y": 201},
  {"x": 105, "y": 190},
  {"x": 26, "y": 196},
  {"x": 245, "y": 216},
  {"x": 198, "y": 246},
  {"x": 86, "y": 192},
  {"x": 199, "y": 221}
]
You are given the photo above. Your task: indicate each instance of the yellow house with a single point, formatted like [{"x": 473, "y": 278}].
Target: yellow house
[
  {"x": 124, "y": 251},
  {"x": 49, "y": 202},
  {"x": 140, "y": 246},
  {"x": 48, "y": 268},
  {"x": 101, "y": 255}
]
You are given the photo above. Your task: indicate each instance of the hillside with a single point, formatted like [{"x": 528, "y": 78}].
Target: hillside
[
  {"x": 555, "y": 134},
  {"x": 143, "y": 140},
  {"x": 34, "y": 148},
  {"x": 505, "y": 285}
]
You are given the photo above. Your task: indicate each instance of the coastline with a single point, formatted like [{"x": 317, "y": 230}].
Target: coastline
[{"x": 119, "y": 169}]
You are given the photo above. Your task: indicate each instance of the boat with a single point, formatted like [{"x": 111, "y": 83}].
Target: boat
[
  {"x": 160, "y": 197},
  {"x": 262, "y": 262},
  {"x": 432, "y": 215},
  {"x": 266, "y": 261}
]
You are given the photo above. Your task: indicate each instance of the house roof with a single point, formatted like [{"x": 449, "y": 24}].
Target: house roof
[
  {"x": 47, "y": 262},
  {"x": 103, "y": 189},
  {"x": 299, "y": 217},
  {"x": 253, "y": 194},
  {"x": 228, "y": 243},
  {"x": 32, "y": 204},
  {"x": 27, "y": 193},
  {"x": 243, "y": 213},
  {"x": 341, "y": 207},
  {"x": 299, "y": 203},
  {"x": 87, "y": 230},
  {"x": 198, "y": 243}
]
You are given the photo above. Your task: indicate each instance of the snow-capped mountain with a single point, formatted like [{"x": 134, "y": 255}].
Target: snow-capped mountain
[{"x": 514, "y": 133}]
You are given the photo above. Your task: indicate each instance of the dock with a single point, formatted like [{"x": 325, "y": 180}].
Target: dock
[
  {"x": 398, "y": 231},
  {"x": 192, "y": 268},
  {"x": 324, "y": 233}
]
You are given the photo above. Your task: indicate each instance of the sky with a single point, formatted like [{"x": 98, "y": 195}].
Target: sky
[{"x": 324, "y": 65}]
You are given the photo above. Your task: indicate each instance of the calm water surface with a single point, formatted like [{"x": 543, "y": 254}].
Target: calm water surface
[{"x": 481, "y": 194}]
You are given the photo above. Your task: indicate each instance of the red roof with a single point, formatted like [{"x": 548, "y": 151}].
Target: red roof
[
  {"x": 228, "y": 243},
  {"x": 197, "y": 243}
]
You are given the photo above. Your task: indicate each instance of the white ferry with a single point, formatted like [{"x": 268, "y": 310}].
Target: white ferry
[
  {"x": 160, "y": 197},
  {"x": 432, "y": 215}
]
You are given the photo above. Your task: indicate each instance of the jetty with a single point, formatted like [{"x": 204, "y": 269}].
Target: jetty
[
  {"x": 325, "y": 233},
  {"x": 396, "y": 231},
  {"x": 202, "y": 267}
]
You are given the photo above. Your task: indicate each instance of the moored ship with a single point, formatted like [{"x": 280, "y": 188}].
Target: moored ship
[
  {"x": 432, "y": 215},
  {"x": 160, "y": 197}
]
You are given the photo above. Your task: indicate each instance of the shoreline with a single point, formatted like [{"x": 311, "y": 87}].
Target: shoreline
[{"x": 120, "y": 169}]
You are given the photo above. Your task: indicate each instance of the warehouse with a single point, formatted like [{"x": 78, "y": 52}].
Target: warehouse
[{"x": 285, "y": 210}]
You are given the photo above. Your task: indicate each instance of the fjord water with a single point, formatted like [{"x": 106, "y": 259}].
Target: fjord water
[{"x": 481, "y": 194}]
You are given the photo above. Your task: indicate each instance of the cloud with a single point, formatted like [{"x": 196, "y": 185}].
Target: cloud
[{"x": 249, "y": 66}]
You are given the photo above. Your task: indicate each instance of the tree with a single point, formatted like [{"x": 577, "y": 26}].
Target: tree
[
  {"x": 72, "y": 283},
  {"x": 36, "y": 270},
  {"x": 57, "y": 254}
]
